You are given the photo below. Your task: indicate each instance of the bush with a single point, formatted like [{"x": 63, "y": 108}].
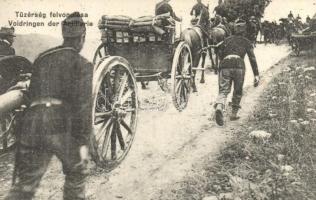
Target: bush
[{"x": 233, "y": 9}]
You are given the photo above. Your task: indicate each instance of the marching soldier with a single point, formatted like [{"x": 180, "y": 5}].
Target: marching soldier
[
  {"x": 201, "y": 10},
  {"x": 58, "y": 120},
  {"x": 6, "y": 41},
  {"x": 298, "y": 18},
  {"x": 232, "y": 70},
  {"x": 164, "y": 7}
]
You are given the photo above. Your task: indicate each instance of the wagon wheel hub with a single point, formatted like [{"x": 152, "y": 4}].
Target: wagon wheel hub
[{"x": 118, "y": 111}]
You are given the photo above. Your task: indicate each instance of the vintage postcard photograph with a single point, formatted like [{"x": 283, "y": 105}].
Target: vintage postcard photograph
[{"x": 158, "y": 99}]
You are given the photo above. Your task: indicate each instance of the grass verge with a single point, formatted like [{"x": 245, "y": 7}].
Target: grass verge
[{"x": 277, "y": 163}]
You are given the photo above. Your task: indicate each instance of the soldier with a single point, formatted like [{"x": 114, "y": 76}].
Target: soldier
[
  {"x": 58, "y": 120},
  {"x": 290, "y": 16},
  {"x": 6, "y": 41},
  {"x": 298, "y": 18},
  {"x": 164, "y": 7},
  {"x": 219, "y": 9},
  {"x": 200, "y": 10},
  {"x": 232, "y": 70},
  {"x": 308, "y": 20}
]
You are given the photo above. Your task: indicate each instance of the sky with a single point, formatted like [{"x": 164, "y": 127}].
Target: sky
[{"x": 134, "y": 8}]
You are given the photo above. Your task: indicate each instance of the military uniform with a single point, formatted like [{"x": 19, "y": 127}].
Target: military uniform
[
  {"x": 219, "y": 10},
  {"x": 232, "y": 68},
  {"x": 308, "y": 20},
  {"x": 290, "y": 16},
  {"x": 201, "y": 10},
  {"x": 58, "y": 122},
  {"x": 6, "y": 49},
  {"x": 163, "y": 8},
  {"x": 6, "y": 40}
]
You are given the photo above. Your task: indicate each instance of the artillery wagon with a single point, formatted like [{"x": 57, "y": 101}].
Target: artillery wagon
[
  {"x": 125, "y": 56},
  {"x": 300, "y": 42},
  {"x": 133, "y": 51},
  {"x": 305, "y": 40}
]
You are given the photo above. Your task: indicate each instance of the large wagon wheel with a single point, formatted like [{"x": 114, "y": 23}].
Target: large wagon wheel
[
  {"x": 115, "y": 108},
  {"x": 181, "y": 76},
  {"x": 100, "y": 53}
]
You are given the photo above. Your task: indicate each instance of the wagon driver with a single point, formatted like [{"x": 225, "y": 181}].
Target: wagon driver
[{"x": 58, "y": 120}]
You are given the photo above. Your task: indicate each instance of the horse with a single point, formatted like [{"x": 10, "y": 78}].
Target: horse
[
  {"x": 193, "y": 36},
  {"x": 217, "y": 34}
]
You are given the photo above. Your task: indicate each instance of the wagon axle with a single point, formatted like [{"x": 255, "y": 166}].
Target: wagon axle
[{"x": 118, "y": 112}]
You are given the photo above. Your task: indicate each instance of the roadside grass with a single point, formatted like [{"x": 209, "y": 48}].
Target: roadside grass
[{"x": 270, "y": 167}]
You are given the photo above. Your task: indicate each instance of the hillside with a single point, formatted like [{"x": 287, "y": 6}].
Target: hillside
[{"x": 30, "y": 45}]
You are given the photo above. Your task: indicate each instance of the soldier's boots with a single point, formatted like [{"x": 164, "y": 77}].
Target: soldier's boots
[
  {"x": 219, "y": 114},
  {"x": 234, "y": 116}
]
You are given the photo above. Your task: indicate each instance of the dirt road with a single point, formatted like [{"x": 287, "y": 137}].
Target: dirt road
[{"x": 167, "y": 144}]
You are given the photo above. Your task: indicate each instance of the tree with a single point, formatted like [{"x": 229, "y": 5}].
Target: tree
[{"x": 244, "y": 9}]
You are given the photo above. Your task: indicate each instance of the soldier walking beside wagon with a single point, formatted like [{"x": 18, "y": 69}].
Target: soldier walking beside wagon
[{"x": 232, "y": 71}]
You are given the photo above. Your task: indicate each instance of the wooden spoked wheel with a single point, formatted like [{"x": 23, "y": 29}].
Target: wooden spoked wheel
[
  {"x": 115, "y": 109},
  {"x": 7, "y": 136},
  {"x": 296, "y": 47},
  {"x": 100, "y": 53},
  {"x": 181, "y": 76}
]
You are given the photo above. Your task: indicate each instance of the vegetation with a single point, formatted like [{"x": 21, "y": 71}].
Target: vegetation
[
  {"x": 272, "y": 157},
  {"x": 233, "y": 9}
]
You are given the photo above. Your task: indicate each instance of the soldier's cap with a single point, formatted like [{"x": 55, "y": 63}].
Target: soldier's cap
[
  {"x": 5, "y": 31},
  {"x": 73, "y": 26}
]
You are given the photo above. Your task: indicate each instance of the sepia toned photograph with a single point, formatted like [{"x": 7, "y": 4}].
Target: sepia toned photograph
[{"x": 158, "y": 100}]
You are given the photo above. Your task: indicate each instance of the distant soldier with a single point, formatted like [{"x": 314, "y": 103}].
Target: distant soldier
[
  {"x": 308, "y": 19},
  {"x": 290, "y": 16},
  {"x": 298, "y": 18},
  {"x": 164, "y": 7},
  {"x": 58, "y": 120},
  {"x": 6, "y": 41},
  {"x": 200, "y": 10},
  {"x": 253, "y": 29},
  {"x": 298, "y": 22},
  {"x": 232, "y": 70},
  {"x": 219, "y": 10}
]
